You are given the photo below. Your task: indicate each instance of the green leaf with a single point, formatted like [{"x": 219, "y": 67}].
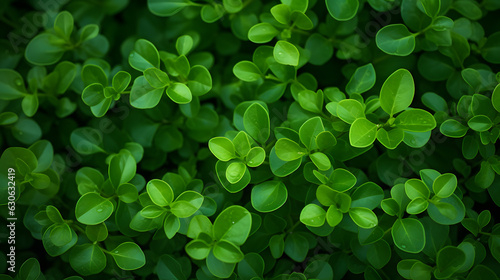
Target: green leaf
[
  {"x": 256, "y": 122},
  {"x": 367, "y": 195},
  {"x": 29, "y": 270},
  {"x": 395, "y": 39},
  {"x": 88, "y": 32},
  {"x": 128, "y": 256},
  {"x": 325, "y": 140},
  {"x": 342, "y": 180},
  {"x": 296, "y": 246},
  {"x": 489, "y": 51},
  {"x": 247, "y": 71},
  {"x": 342, "y": 10},
  {"x": 447, "y": 211},
  {"x": 445, "y": 185},
  {"x": 417, "y": 206},
  {"x": 156, "y": 78},
  {"x": 184, "y": 44},
  {"x": 63, "y": 24},
  {"x": 390, "y": 206},
  {"x": 416, "y": 120},
  {"x": 222, "y": 148},
  {"x": 397, "y": 92},
  {"x": 179, "y": 93},
  {"x": 255, "y": 157},
  {"x": 198, "y": 249},
  {"x": 160, "y": 192},
  {"x": 390, "y": 138},
  {"x": 219, "y": 268},
  {"x": 235, "y": 171},
  {"x": 143, "y": 95},
  {"x": 269, "y": 196},
  {"x": 97, "y": 232},
  {"x": 349, "y": 110},
  {"x": 321, "y": 49},
  {"x": 379, "y": 254},
  {"x": 221, "y": 168},
  {"x": 362, "y": 80},
  {"x": 321, "y": 161},
  {"x": 453, "y": 128},
  {"x": 251, "y": 266},
  {"x": 7, "y": 118},
  {"x": 309, "y": 130},
  {"x": 211, "y": 13},
  {"x": 165, "y": 8},
  {"x": 61, "y": 234},
  {"x": 363, "y": 217},
  {"x": 362, "y": 133},
  {"x": 45, "y": 49},
  {"x": 87, "y": 259},
  {"x": 11, "y": 85},
  {"x": 313, "y": 215},
  {"x": 484, "y": 218},
  {"x": 311, "y": 101},
  {"x": 286, "y": 53},
  {"x": 478, "y": 123},
  {"x": 431, "y": 7},
  {"x": 495, "y": 98},
  {"x": 54, "y": 215},
  {"x": 282, "y": 13},
  {"x": 408, "y": 235},
  {"x": 227, "y": 252},
  {"x": 333, "y": 216},
  {"x": 288, "y": 150},
  {"x": 144, "y": 55},
  {"x": 122, "y": 168},
  {"x": 233, "y": 224},
  {"x": 171, "y": 225},
  {"x": 415, "y": 188},
  {"x": 449, "y": 259},
  {"x": 199, "y": 80},
  {"x": 280, "y": 167},
  {"x": 276, "y": 246},
  {"x": 44, "y": 152},
  {"x": 93, "y": 209},
  {"x": 186, "y": 204},
  {"x": 30, "y": 105},
  {"x": 262, "y": 33}
]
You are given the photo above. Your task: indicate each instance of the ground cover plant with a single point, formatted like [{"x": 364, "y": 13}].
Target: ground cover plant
[{"x": 250, "y": 139}]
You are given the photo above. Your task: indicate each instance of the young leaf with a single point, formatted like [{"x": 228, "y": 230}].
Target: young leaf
[
  {"x": 362, "y": 80},
  {"x": 395, "y": 39},
  {"x": 144, "y": 55},
  {"x": 408, "y": 235},
  {"x": 342, "y": 10},
  {"x": 313, "y": 215},
  {"x": 362, "y": 133},
  {"x": 128, "y": 256},
  {"x": 415, "y": 120},
  {"x": 93, "y": 209},
  {"x": 397, "y": 92},
  {"x": 222, "y": 148},
  {"x": 286, "y": 53},
  {"x": 256, "y": 122},
  {"x": 363, "y": 217},
  {"x": 269, "y": 196}
]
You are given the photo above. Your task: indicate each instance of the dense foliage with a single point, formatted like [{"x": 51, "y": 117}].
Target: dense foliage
[{"x": 250, "y": 139}]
